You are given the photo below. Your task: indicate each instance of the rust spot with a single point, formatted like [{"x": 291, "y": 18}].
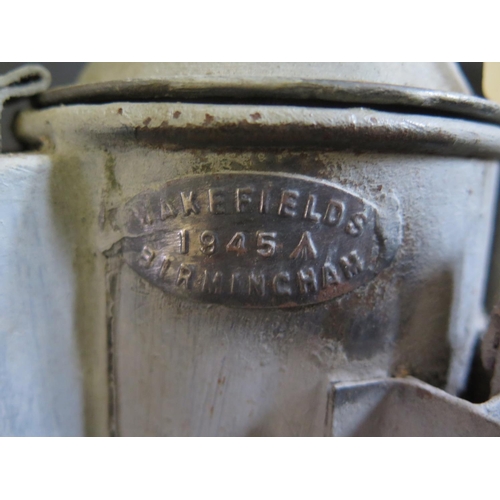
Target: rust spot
[
  {"x": 402, "y": 371},
  {"x": 422, "y": 394},
  {"x": 147, "y": 121},
  {"x": 120, "y": 111},
  {"x": 247, "y": 134},
  {"x": 211, "y": 411},
  {"x": 221, "y": 381},
  {"x": 177, "y": 114},
  {"x": 256, "y": 116}
]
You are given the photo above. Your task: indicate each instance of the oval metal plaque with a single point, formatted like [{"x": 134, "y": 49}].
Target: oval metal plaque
[{"x": 252, "y": 239}]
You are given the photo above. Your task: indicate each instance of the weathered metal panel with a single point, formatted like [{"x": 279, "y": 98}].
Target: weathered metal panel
[{"x": 177, "y": 366}]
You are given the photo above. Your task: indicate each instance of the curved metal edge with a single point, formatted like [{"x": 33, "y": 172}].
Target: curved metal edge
[
  {"x": 405, "y": 407},
  {"x": 286, "y": 91},
  {"x": 173, "y": 126},
  {"x": 25, "y": 81}
]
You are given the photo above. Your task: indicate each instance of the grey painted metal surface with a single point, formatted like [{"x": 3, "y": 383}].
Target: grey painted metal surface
[
  {"x": 219, "y": 370},
  {"x": 407, "y": 407},
  {"x": 155, "y": 362}
]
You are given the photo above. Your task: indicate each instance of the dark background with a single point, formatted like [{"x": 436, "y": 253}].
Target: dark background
[{"x": 67, "y": 73}]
